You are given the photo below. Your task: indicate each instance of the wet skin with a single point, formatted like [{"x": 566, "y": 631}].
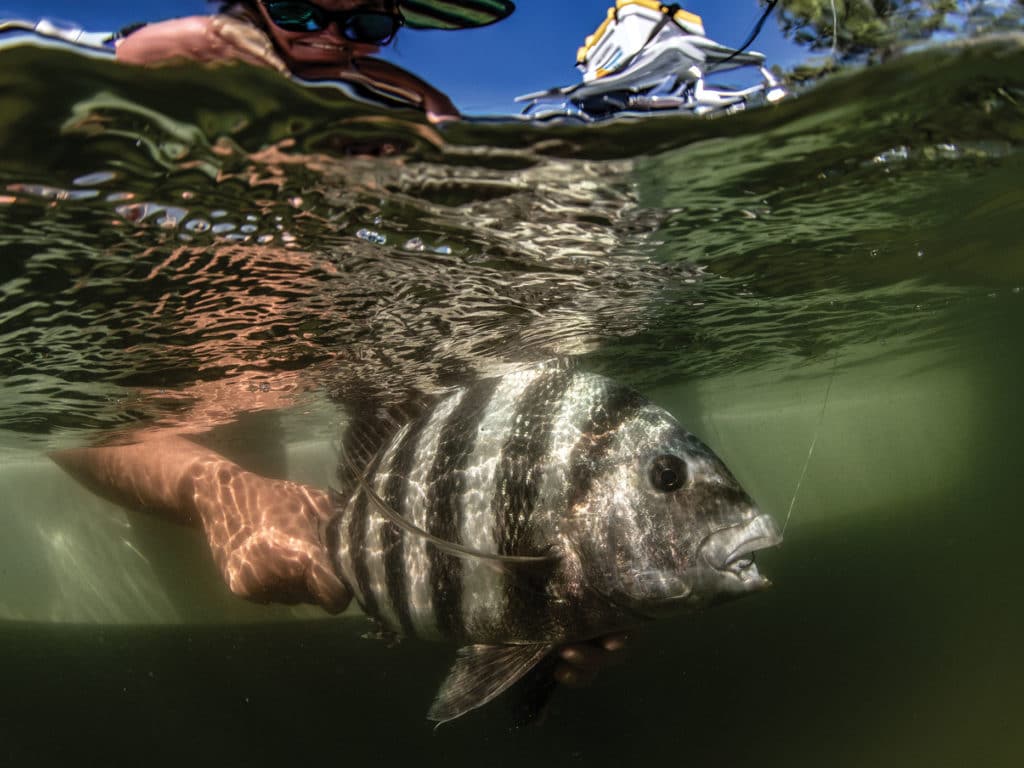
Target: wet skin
[
  {"x": 304, "y": 50},
  {"x": 264, "y": 534},
  {"x": 323, "y": 55}
]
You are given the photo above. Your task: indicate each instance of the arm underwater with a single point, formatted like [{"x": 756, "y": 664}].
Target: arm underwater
[{"x": 541, "y": 509}]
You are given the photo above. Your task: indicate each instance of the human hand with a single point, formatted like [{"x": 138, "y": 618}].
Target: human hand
[
  {"x": 389, "y": 77},
  {"x": 264, "y": 535},
  {"x": 440, "y": 110},
  {"x": 244, "y": 42},
  {"x": 199, "y": 38},
  {"x": 580, "y": 663}
]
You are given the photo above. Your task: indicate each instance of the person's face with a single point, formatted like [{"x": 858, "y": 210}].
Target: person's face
[{"x": 327, "y": 46}]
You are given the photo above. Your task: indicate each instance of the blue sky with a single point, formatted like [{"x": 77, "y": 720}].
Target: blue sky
[{"x": 482, "y": 70}]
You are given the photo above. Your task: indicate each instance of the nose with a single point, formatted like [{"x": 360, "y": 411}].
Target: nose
[{"x": 333, "y": 31}]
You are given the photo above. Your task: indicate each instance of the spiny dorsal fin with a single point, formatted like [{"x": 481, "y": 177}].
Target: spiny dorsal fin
[
  {"x": 368, "y": 434},
  {"x": 480, "y": 673},
  {"x": 379, "y": 421}
]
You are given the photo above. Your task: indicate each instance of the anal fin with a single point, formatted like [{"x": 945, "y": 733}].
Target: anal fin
[{"x": 480, "y": 673}]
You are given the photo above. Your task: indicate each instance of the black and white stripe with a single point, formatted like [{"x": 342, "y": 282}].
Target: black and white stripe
[
  {"x": 453, "y": 14},
  {"x": 493, "y": 468}
]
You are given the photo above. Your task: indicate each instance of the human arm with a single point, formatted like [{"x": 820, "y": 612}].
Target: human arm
[
  {"x": 389, "y": 77},
  {"x": 438, "y": 107},
  {"x": 264, "y": 534},
  {"x": 199, "y": 38},
  {"x": 221, "y": 38}
]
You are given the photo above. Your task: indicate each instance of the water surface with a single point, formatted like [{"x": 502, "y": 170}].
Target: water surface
[{"x": 829, "y": 289}]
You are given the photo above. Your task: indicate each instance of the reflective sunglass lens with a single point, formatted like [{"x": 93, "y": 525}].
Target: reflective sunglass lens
[
  {"x": 358, "y": 26},
  {"x": 295, "y": 16},
  {"x": 370, "y": 27}
]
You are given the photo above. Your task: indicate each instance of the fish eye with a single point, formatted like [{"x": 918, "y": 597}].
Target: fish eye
[{"x": 668, "y": 473}]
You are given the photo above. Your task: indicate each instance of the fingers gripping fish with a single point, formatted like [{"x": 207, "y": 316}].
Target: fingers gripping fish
[{"x": 544, "y": 507}]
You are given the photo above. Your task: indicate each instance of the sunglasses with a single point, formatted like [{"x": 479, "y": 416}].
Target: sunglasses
[{"x": 373, "y": 27}]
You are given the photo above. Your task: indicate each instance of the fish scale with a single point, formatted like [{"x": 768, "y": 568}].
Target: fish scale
[
  {"x": 546, "y": 506},
  {"x": 418, "y": 554},
  {"x": 447, "y": 485},
  {"x": 395, "y": 488},
  {"x": 484, "y": 601}
]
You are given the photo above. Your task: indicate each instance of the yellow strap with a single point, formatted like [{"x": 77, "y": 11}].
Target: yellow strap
[{"x": 681, "y": 16}]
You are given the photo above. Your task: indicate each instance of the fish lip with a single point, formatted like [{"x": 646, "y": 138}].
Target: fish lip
[{"x": 730, "y": 551}]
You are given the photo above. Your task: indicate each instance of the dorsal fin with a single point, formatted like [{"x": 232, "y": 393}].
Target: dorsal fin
[{"x": 366, "y": 436}]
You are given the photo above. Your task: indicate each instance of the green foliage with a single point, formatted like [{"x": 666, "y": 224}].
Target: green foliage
[
  {"x": 875, "y": 29},
  {"x": 985, "y": 19}
]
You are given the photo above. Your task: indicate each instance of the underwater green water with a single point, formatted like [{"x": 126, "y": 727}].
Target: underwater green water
[{"x": 829, "y": 292}]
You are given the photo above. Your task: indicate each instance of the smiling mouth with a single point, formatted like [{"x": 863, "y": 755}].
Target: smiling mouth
[{"x": 321, "y": 46}]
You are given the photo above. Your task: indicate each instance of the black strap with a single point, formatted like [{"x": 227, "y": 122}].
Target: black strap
[
  {"x": 668, "y": 13},
  {"x": 749, "y": 40}
]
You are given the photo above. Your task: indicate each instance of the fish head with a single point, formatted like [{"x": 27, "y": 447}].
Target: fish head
[{"x": 670, "y": 528}]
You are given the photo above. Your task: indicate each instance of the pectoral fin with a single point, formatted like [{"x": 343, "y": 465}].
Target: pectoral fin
[{"x": 479, "y": 674}]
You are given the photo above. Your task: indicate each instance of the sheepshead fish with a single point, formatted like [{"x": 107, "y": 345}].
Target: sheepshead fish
[{"x": 543, "y": 507}]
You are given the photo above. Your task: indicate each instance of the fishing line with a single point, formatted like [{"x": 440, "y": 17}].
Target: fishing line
[
  {"x": 749, "y": 40},
  {"x": 835, "y": 28},
  {"x": 814, "y": 441},
  {"x": 450, "y": 547}
]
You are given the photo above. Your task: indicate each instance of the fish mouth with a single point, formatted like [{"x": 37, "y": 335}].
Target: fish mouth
[{"x": 730, "y": 551}]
